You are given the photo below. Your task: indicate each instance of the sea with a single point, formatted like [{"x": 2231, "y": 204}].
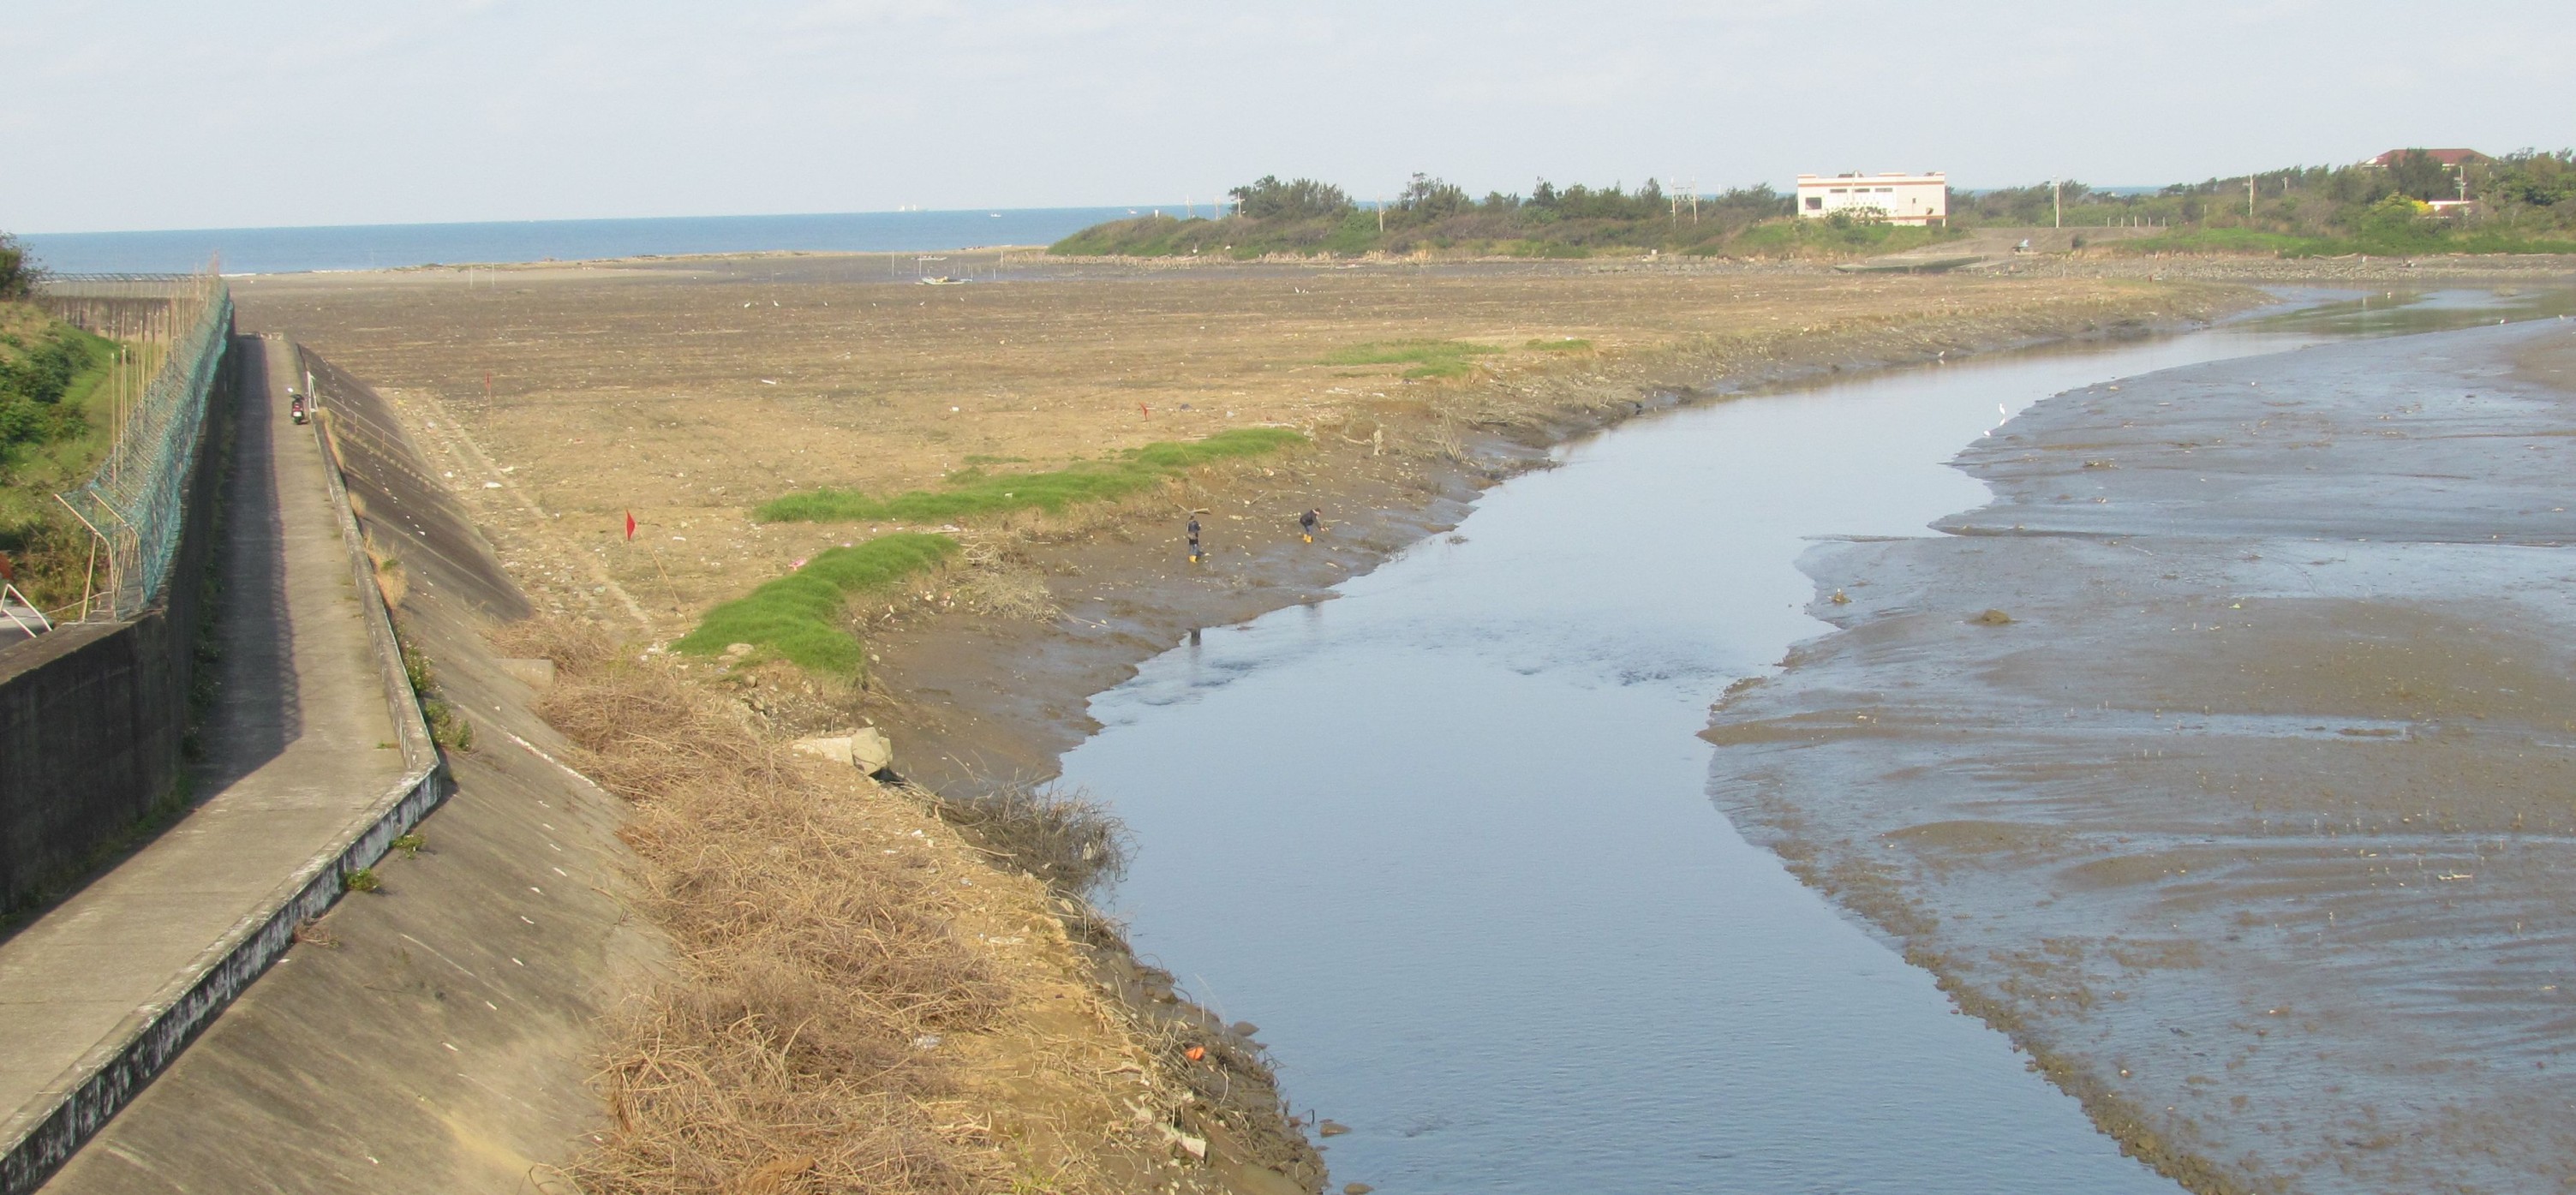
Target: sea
[{"x": 389, "y": 246}]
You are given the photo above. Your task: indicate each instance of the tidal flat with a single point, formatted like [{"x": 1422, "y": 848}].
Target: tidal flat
[{"x": 2225, "y": 758}]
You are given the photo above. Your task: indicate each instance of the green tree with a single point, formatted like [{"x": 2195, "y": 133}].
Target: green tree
[
  {"x": 2420, "y": 175},
  {"x": 1428, "y": 198},
  {"x": 19, "y": 272},
  {"x": 1301, "y": 199}
]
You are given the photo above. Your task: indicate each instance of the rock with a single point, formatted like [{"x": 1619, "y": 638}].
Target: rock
[
  {"x": 1331, "y": 1129},
  {"x": 1244, "y": 1028},
  {"x": 1356, "y": 1189},
  {"x": 1196, "y": 1147},
  {"x": 737, "y": 649},
  {"x": 536, "y": 674},
  {"x": 870, "y": 751},
  {"x": 1992, "y": 618},
  {"x": 867, "y": 750}
]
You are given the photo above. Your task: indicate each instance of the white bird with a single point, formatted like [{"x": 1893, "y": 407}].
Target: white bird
[{"x": 1999, "y": 409}]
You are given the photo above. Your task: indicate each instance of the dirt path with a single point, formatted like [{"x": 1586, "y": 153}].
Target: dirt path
[{"x": 2245, "y": 810}]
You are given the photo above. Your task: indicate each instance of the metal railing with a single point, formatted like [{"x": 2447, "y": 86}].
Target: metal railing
[{"x": 172, "y": 330}]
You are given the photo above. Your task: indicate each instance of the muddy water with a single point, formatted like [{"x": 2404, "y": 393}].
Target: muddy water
[{"x": 1446, "y": 838}]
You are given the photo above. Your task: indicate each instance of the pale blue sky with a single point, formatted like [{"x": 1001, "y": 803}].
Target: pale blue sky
[{"x": 169, "y": 115}]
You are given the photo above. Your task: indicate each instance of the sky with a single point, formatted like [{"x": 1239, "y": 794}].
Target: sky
[{"x": 145, "y": 114}]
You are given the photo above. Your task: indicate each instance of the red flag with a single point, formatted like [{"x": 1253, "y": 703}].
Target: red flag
[{"x": 630, "y": 526}]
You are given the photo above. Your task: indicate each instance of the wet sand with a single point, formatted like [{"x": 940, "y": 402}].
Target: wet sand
[{"x": 2249, "y": 814}]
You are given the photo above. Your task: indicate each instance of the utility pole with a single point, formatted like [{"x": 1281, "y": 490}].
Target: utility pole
[
  {"x": 2057, "y": 199},
  {"x": 2249, "y": 197}
]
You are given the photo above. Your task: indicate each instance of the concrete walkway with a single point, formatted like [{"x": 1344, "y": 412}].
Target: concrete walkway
[{"x": 298, "y": 747}]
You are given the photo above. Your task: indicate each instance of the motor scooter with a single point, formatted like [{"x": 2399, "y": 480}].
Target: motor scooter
[{"x": 295, "y": 409}]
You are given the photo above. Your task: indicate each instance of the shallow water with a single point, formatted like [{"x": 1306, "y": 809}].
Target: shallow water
[{"x": 1446, "y": 839}]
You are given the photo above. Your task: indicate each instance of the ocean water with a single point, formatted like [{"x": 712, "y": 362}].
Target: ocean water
[{"x": 385, "y": 246}]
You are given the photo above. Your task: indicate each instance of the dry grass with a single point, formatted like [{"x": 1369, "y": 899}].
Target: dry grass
[
  {"x": 863, "y": 1002},
  {"x": 782, "y": 1056}
]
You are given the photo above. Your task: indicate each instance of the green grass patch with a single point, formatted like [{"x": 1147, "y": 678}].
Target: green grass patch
[
  {"x": 801, "y": 617},
  {"x": 1567, "y": 345},
  {"x": 1793, "y": 237},
  {"x": 2223, "y": 240},
  {"x": 973, "y": 492},
  {"x": 1429, "y": 358},
  {"x": 2402, "y": 241}
]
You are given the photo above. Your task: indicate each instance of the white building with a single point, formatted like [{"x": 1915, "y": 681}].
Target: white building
[{"x": 1895, "y": 198}]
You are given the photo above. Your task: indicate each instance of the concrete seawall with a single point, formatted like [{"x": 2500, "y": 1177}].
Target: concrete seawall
[
  {"x": 436, "y": 1036},
  {"x": 315, "y": 759}
]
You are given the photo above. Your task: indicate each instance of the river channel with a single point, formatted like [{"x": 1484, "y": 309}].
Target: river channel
[{"x": 1446, "y": 838}]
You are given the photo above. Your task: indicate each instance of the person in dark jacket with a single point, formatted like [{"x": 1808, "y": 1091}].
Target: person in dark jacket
[{"x": 1309, "y": 523}]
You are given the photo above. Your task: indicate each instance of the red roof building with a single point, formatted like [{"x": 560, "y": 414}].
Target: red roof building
[{"x": 2451, "y": 159}]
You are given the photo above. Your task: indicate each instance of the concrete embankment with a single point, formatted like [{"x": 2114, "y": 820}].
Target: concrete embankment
[
  {"x": 2223, "y": 760},
  {"x": 315, "y": 761},
  {"x": 432, "y": 1036}
]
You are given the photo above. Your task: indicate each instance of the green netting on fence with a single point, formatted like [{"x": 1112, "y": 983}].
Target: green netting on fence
[{"x": 136, "y": 504}]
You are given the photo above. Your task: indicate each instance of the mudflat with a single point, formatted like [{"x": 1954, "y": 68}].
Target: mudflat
[{"x": 2225, "y": 759}]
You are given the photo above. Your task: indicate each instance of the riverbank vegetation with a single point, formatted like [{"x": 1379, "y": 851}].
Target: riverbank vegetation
[
  {"x": 803, "y": 617},
  {"x": 1309, "y": 218},
  {"x": 2522, "y": 202}
]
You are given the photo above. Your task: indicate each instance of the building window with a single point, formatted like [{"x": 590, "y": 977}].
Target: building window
[{"x": 1815, "y": 203}]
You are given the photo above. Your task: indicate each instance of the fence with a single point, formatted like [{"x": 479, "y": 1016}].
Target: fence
[{"x": 173, "y": 330}]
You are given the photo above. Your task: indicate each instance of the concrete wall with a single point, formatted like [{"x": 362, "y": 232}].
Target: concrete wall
[{"x": 93, "y": 716}]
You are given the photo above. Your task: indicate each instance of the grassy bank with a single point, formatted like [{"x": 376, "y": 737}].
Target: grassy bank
[
  {"x": 51, "y": 377},
  {"x": 801, "y": 617},
  {"x": 973, "y": 493},
  {"x": 2388, "y": 243}
]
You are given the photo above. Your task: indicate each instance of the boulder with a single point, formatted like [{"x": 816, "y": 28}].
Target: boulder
[{"x": 867, "y": 749}]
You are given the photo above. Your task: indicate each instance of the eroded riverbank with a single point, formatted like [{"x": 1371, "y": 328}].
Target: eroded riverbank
[{"x": 2248, "y": 812}]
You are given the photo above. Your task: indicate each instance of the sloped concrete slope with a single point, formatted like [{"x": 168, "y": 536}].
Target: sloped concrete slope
[{"x": 434, "y": 1036}]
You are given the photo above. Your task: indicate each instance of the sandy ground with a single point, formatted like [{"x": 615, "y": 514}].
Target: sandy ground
[
  {"x": 562, "y": 397},
  {"x": 2250, "y": 812}
]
